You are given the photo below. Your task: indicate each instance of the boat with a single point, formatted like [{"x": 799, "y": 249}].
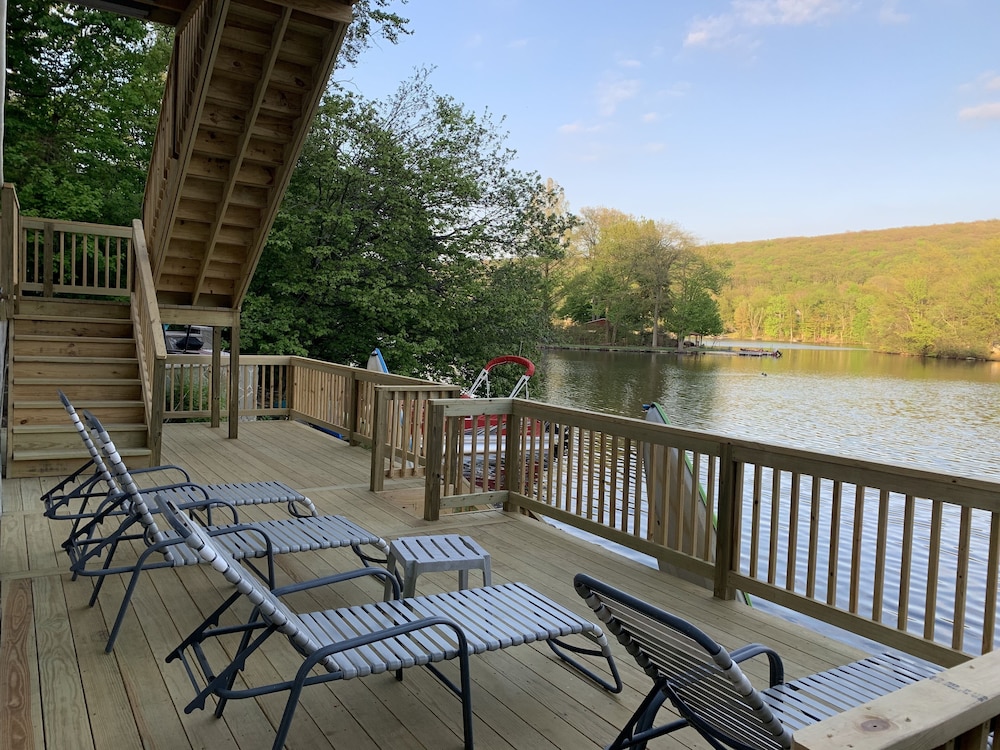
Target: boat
[
  {"x": 482, "y": 439},
  {"x": 748, "y": 351},
  {"x": 376, "y": 362},
  {"x": 483, "y": 379}
]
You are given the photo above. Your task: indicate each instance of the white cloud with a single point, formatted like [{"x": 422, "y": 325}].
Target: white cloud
[
  {"x": 630, "y": 63},
  {"x": 578, "y": 127},
  {"x": 655, "y": 148},
  {"x": 651, "y": 117},
  {"x": 989, "y": 111},
  {"x": 890, "y": 13},
  {"x": 991, "y": 82},
  {"x": 614, "y": 90},
  {"x": 728, "y": 28},
  {"x": 518, "y": 43}
]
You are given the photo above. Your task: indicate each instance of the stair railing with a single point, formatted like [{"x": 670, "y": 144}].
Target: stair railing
[
  {"x": 190, "y": 63},
  {"x": 10, "y": 232},
  {"x": 150, "y": 343}
]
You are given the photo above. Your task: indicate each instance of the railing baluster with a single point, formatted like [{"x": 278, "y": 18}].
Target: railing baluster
[
  {"x": 906, "y": 564},
  {"x": 832, "y": 568},
  {"x": 933, "y": 568},
  {"x": 961, "y": 579}
]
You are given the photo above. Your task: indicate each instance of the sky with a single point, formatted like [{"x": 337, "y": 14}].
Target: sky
[{"x": 735, "y": 119}]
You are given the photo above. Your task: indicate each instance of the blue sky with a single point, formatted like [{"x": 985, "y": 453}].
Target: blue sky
[{"x": 735, "y": 119}]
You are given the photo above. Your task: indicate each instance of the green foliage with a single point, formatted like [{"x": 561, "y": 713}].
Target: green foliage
[
  {"x": 83, "y": 95},
  {"x": 640, "y": 275},
  {"x": 931, "y": 290},
  {"x": 405, "y": 227}
]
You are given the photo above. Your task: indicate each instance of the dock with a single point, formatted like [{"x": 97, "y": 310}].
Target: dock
[{"x": 60, "y": 690}]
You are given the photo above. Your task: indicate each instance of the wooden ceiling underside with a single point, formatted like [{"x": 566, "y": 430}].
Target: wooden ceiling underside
[
  {"x": 172, "y": 11},
  {"x": 228, "y": 148}
]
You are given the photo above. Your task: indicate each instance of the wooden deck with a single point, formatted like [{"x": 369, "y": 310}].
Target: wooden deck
[{"x": 58, "y": 689}]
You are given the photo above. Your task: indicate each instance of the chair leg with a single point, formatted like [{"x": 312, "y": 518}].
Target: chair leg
[
  {"x": 122, "y": 609},
  {"x": 99, "y": 583},
  {"x": 560, "y": 648}
]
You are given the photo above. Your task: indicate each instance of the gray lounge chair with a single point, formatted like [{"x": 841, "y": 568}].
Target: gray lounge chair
[
  {"x": 92, "y": 552},
  {"x": 709, "y": 690},
  {"x": 91, "y": 490},
  {"x": 371, "y": 638}
]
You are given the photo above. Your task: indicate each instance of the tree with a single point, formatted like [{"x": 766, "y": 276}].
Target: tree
[
  {"x": 83, "y": 93},
  {"x": 405, "y": 227},
  {"x": 627, "y": 271},
  {"x": 695, "y": 282}
]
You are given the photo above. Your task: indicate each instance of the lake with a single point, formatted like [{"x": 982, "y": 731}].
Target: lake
[{"x": 942, "y": 415}]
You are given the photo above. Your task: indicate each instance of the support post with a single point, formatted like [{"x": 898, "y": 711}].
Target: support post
[
  {"x": 727, "y": 534},
  {"x": 234, "y": 377},
  {"x": 379, "y": 430},
  {"x": 434, "y": 477}
]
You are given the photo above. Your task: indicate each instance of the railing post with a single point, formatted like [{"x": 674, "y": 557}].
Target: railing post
[
  {"x": 434, "y": 476},
  {"x": 379, "y": 431},
  {"x": 352, "y": 406},
  {"x": 514, "y": 463},
  {"x": 10, "y": 251},
  {"x": 727, "y": 535}
]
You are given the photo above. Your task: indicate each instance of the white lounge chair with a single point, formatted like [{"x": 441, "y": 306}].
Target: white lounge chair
[
  {"x": 92, "y": 551},
  {"x": 708, "y": 689},
  {"x": 371, "y": 638}
]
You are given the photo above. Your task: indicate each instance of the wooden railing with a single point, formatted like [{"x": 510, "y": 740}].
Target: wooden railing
[
  {"x": 10, "y": 258},
  {"x": 150, "y": 345},
  {"x": 401, "y": 420},
  {"x": 66, "y": 257},
  {"x": 906, "y": 557},
  {"x": 341, "y": 399}
]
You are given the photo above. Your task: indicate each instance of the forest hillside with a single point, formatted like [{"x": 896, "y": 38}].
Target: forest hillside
[{"x": 932, "y": 290}]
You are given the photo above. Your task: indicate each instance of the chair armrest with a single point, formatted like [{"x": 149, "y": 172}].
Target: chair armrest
[
  {"x": 751, "y": 650},
  {"x": 338, "y": 578},
  {"x": 149, "y": 470}
]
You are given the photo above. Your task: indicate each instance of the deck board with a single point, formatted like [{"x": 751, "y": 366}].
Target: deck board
[{"x": 61, "y": 690}]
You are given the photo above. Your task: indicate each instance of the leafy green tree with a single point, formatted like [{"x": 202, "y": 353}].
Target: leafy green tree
[
  {"x": 405, "y": 227},
  {"x": 695, "y": 283},
  {"x": 83, "y": 93}
]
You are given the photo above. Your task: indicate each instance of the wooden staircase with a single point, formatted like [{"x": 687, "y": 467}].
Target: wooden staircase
[
  {"x": 242, "y": 89},
  {"x": 87, "y": 350}
]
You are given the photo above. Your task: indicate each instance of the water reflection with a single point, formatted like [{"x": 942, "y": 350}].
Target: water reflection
[{"x": 941, "y": 415}]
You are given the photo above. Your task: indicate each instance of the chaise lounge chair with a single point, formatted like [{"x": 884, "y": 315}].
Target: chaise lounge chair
[
  {"x": 371, "y": 638},
  {"x": 709, "y": 690},
  {"x": 91, "y": 490},
  {"x": 92, "y": 555}
]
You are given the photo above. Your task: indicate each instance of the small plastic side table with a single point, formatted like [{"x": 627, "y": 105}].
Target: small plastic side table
[{"x": 423, "y": 554}]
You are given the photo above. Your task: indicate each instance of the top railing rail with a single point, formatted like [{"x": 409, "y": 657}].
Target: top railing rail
[{"x": 69, "y": 257}]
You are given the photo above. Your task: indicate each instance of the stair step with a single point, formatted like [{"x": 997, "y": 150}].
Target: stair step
[
  {"x": 66, "y": 438},
  {"x": 53, "y": 413},
  {"x": 73, "y": 326},
  {"x": 74, "y": 369},
  {"x": 37, "y": 307},
  {"x": 58, "y": 464},
  {"x": 77, "y": 347},
  {"x": 93, "y": 389}
]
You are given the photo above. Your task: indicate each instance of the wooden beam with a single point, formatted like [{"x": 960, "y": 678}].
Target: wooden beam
[
  {"x": 234, "y": 379},
  {"x": 926, "y": 714},
  {"x": 242, "y": 144}
]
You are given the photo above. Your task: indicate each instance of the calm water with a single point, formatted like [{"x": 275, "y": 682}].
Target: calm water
[{"x": 934, "y": 414}]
